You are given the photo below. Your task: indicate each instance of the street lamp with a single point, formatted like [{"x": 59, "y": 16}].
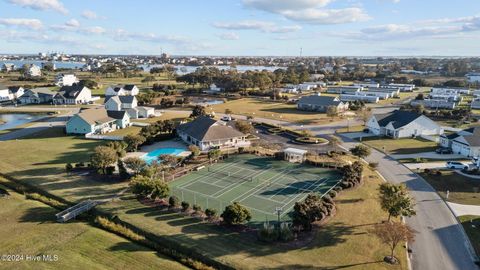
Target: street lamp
[{"x": 279, "y": 211}]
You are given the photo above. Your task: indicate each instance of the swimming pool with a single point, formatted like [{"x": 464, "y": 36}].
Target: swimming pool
[{"x": 151, "y": 156}]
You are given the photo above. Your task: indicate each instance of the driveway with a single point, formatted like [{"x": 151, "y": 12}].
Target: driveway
[
  {"x": 425, "y": 165},
  {"x": 430, "y": 155},
  {"x": 464, "y": 210}
]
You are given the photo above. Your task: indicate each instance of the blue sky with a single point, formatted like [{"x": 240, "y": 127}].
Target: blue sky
[{"x": 242, "y": 27}]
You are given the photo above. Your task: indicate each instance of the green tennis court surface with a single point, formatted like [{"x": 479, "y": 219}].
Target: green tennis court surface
[{"x": 261, "y": 184}]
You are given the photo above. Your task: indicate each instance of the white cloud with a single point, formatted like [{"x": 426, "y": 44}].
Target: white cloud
[
  {"x": 41, "y": 5},
  {"x": 91, "y": 15},
  {"x": 34, "y": 24},
  {"x": 74, "y": 26},
  {"x": 72, "y": 23},
  {"x": 447, "y": 27},
  {"x": 309, "y": 11},
  {"x": 229, "y": 36},
  {"x": 267, "y": 27}
]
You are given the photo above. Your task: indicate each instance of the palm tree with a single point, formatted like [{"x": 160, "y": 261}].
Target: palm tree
[{"x": 334, "y": 142}]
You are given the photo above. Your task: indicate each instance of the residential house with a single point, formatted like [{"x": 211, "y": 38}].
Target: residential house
[
  {"x": 97, "y": 121},
  {"x": 15, "y": 92},
  {"x": 129, "y": 104},
  {"x": 65, "y": 79},
  {"x": 32, "y": 71},
  {"x": 36, "y": 96},
  {"x": 393, "y": 91},
  {"x": 475, "y": 104},
  {"x": 8, "y": 67},
  {"x": 435, "y": 104},
  {"x": 473, "y": 77},
  {"x": 122, "y": 90},
  {"x": 465, "y": 142},
  {"x": 363, "y": 98},
  {"x": 74, "y": 94},
  {"x": 344, "y": 90},
  {"x": 403, "y": 87},
  {"x": 4, "y": 93},
  {"x": 402, "y": 124},
  {"x": 449, "y": 91},
  {"x": 208, "y": 133},
  {"x": 320, "y": 103},
  {"x": 476, "y": 93},
  {"x": 214, "y": 88},
  {"x": 49, "y": 65},
  {"x": 367, "y": 84}
]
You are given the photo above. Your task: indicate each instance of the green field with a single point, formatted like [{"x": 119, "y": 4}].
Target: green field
[
  {"x": 461, "y": 188},
  {"x": 400, "y": 146},
  {"x": 471, "y": 224},
  {"x": 40, "y": 160},
  {"x": 29, "y": 228},
  {"x": 261, "y": 184}
]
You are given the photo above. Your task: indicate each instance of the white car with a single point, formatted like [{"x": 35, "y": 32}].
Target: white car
[{"x": 457, "y": 165}]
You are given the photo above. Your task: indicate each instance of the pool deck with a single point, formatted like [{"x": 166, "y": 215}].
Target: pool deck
[{"x": 177, "y": 143}]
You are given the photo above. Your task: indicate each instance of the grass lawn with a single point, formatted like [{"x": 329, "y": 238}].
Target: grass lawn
[
  {"x": 271, "y": 110},
  {"x": 28, "y": 227},
  {"x": 166, "y": 115},
  {"x": 351, "y": 129},
  {"x": 461, "y": 188},
  {"x": 400, "y": 146},
  {"x": 344, "y": 242},
  {"x": 472, "y": 232},
  {"x": 40, "y": 159},
  {"x": 126, "y": 131}
]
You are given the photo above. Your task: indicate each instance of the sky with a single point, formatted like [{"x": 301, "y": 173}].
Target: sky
[{"x": 242, "y": 27}]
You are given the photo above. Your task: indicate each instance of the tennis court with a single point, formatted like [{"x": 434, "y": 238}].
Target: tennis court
[{"x": 264, "y": 185}]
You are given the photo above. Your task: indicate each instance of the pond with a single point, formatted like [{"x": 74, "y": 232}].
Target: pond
[{"x": 12, "y": 120}]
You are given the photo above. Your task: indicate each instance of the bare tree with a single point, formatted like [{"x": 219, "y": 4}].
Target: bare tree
[{"x": 392, "y": 234}]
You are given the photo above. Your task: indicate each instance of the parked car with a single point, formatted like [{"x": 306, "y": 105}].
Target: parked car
[
  {"x": 455, "y": 165},
  {"x": 227, "y": 118},
  {"x": 443, "y": 151}
]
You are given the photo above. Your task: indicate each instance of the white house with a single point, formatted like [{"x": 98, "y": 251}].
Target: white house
[
  {"x": 65, "y": 79},
  {"x": 8, "y": 67},
  {"x": 32, "y": 71},
  {"x": 36, "y": 96},
  {"x": 402, "y": 124},
  {"x": 367, "y": 84},
  {"x": 449, "y": 91},
  {"x": 15, "y": 92},
  {"x": 475, "y": 104},
  {"x": 344, "y": 89},
  {"x": 465, "y": 142},
  {"x": 74, "y": 94},
  {"x": 402, "y": 86},
  {"x": 122, "y": 90},
  {"x": 208, "y": 133},
  {"x": 97, "y": 121},
  {"x": 435, "y": 104},
  {"x": 129, "y": 104},
  {"x": 214, "y": 88},
  {"x": 473, "y": 77},
  {"x": 4, "y": 93},
  {"x": 295, "y": 155},
  {"x": 355, "y": 97}
]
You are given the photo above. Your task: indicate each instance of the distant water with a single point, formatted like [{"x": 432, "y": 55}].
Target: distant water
[
  {"x": 20, "y": 63},
  {"x": 181, "y": 70},
  {"x": 12, "y": 120}
]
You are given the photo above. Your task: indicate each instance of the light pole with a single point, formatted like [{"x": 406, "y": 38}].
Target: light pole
[{"x": 278, "y": 210}]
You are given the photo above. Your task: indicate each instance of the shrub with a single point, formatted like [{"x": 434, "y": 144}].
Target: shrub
[
  {"x": 117, "y": 228},
  {"x": 235, "y": 214},
  {"x": 286, "y": 233},
  {"x": 46, "y": 200},
  {"x": 110, "y": 170},
  {"x": 197, "y": 208},
  {"x": 174, "y": 201},
  {"x": 373, "y": 165},
  {"x": 267, "y": 233},
  {"x": 211, "y": 213},
  {"x": 80, "y": 165},
  {"x": 68, "y": 167},
  {"x": 332, "y": 193},
  {"x": 438, "y": 173},
  {"x": 185, "y": 206}
]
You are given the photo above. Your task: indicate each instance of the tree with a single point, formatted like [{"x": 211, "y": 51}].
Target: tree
[
  {"x": 174, "y": 201},
  {"x": 135, "y": 164},
  {"x": 352, "y": 175},
  {"x": 392, "y": 234},
  {"x": 332, "y": 111},
  {"x": 235, "y": 214},
  {"x": 102, "y": 157},
  {"x": 244, "y": 127},
  {"x": 169, "y": 161},
  {"x": 228, "y": 111},
  {"x": 198, "y": 111},
  {"x": 211, "y": 213},
  {"x": 419, "y": 108},
  {"x": 365, "y": 115},
  {"x": 152, "y": 188},
  {"x": 194, "y": 149},
  {"x": 119, "y": 148},
  {"x": 334, "y": 142},
  {"x": 312, "y": 209},
  {"x": 185, "y": 206},
  {"x": 361, "y": 151},
  {"x": 214, "y": 154},
  {"x": 133, "y": 141},
  {"x": 395, "y": 200},
  {"x": 68, "y": 167}
]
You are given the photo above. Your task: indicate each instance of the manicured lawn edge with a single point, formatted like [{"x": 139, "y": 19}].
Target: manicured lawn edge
[{"x": 172, "y": 249}]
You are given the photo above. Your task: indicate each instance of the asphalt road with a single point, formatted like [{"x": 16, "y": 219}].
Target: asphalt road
[{"x": 440, "y": 242}]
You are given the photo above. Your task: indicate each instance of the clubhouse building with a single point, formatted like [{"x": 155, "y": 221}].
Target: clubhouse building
[{"x": 208, "y": 133}]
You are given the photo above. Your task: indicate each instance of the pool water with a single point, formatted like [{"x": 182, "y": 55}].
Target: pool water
[{"x": 151, "y": 156}]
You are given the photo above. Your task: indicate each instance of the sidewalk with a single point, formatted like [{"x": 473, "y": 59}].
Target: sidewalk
[{"x": 463, "y": 210}]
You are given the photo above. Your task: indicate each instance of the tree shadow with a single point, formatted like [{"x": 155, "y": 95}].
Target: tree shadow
[{"x": 38, "y": 215}]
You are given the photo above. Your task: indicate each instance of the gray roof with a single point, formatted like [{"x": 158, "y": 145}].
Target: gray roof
[
  {"x": 474, "y": 138},
  {"x": 129, "y": 87},
  {"x": 95, "y": 116},
  {"x": 207, "y": 129},
  {"x": 14, "y": 89},
  {"x": 398, "y": 118},
  {"x": 126, "y": 99},
  {"x": 116, "y": 114},
  {"x": 319, "y": 100},
  {"x": 70, "y": 91}
]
